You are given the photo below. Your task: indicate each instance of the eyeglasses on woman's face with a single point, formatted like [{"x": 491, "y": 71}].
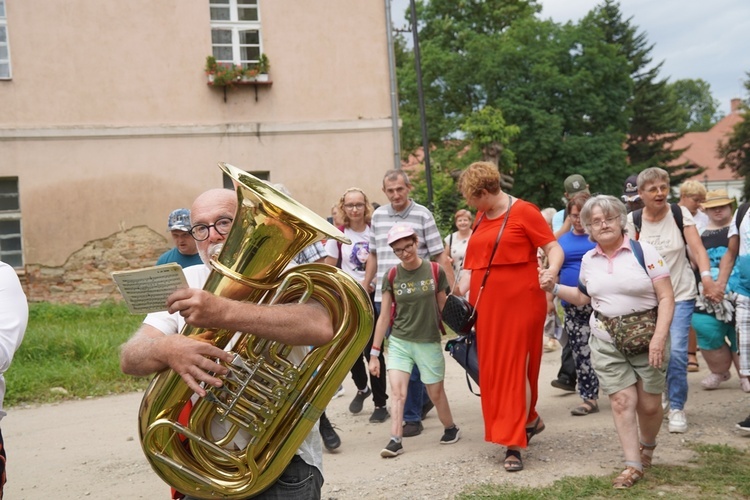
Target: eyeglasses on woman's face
[
  {"x": 354, "y": 206},
  {"x": 201, "y": 232},
  {"x": 597, "y": 223},
  {"x": 399, "y": 251}
]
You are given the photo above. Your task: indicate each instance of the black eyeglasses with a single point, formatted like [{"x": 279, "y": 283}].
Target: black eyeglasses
[
  {"x": 407, "y": 248},
  {"x": 200, "y": 232}
]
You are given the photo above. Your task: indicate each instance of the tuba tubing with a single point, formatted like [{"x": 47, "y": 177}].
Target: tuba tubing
[{"x": 268, "y": 403}]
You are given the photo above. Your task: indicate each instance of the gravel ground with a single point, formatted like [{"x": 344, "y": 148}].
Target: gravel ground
[{"x": 89, "y": 448}]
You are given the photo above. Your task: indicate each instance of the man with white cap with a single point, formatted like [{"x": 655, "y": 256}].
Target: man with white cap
[{"x": 185, "y": 252}]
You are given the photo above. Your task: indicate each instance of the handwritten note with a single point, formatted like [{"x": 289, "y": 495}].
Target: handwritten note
[{"x": 146, "y": 290}]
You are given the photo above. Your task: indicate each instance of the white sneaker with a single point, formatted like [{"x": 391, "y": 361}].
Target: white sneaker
[
  {"x": 713, "y": 380},
  {"x": 677, "y": 421},
  {"x": 340, "y": 392}
]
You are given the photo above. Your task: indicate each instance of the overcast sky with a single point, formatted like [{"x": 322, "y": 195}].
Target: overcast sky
[{"x": 695, "y": 38}]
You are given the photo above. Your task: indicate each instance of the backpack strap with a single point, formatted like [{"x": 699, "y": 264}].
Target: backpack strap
[
  {"x": 338, "y": 245},
  {"x": 677, "y": 213},
  {"x": 391, "y": 277},
  {"x": 741, "y": 214},
  {"x": 436, "y": 276},
  {"x": 637, "y": 249},
  {"x": 637, "y": 221}
]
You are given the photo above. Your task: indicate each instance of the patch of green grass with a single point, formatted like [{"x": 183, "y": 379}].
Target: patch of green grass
[
  {"x": 72, "y": 347},
  {"x": 716, "y": 471}
]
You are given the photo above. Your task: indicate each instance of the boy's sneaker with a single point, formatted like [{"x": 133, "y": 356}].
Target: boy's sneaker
[
  {"x": 356, "y": 405},
  {"x": 331, "y": 439},
  {"x": 340, "y": 392},
  {"x": 677, "y": 421},
  {"x": 392, "y": 449},
  {"x": 744, "y": 426},
  {"x": 379, "y": 415},
  {"x": 451, "y": 435}
]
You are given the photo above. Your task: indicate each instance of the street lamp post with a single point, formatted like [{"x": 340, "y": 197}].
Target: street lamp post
[{"x": 420, "y": 97}]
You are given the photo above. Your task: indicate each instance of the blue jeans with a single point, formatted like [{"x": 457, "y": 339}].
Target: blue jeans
[
  {"x": 677, "y": 384},
  {"x": 416, "y": 394}
]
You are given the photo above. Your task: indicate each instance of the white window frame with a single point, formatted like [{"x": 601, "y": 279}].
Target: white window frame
[
  {"x": 12, "y": 215},
  {"x": 6, "y": 44},
  {"x": 235, "y": 26}
]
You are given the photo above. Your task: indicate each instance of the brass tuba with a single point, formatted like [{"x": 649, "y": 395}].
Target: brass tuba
[{"x": 267, "y": 401}]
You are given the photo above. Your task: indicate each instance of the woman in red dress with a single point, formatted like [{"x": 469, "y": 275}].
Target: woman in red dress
[{"x": 511, "y": 310}]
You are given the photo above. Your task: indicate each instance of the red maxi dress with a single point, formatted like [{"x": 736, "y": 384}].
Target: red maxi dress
[{"x": 510, "y": 319}]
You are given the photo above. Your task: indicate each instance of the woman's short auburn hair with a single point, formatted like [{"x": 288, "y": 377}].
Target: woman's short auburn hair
[{"x": 480, "y": 175}]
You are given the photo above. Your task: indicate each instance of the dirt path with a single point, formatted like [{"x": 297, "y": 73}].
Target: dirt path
[{"x": 89, "y": 448}]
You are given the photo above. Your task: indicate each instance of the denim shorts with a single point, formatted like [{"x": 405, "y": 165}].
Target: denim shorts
[{"x": 428, "y": 356}]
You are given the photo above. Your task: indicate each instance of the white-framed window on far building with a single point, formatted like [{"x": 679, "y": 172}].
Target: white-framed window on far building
[
  {"x": 235, "y": 31},
  {"x": 10, "y": 223},
  {"x": 4, "y": 49}
]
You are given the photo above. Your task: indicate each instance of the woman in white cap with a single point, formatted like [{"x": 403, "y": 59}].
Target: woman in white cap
[
  {"x": 417, "y": 288},
  {"x": 714, "y": 322}
]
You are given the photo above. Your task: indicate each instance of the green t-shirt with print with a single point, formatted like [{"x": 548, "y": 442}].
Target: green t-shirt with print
[{"x": 416, "y": 304}]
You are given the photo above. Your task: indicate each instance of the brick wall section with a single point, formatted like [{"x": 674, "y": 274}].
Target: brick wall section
[{"x": 85, "y": 278}]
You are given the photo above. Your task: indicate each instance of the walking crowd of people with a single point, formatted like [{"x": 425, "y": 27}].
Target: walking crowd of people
[{"x": 629, "y": 287}]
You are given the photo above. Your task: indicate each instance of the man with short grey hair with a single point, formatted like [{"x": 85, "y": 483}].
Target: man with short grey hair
[{"x": 402, "y": 209}]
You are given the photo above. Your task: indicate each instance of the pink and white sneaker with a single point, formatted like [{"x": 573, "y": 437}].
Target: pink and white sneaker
[{"x": 713, "y": 380}]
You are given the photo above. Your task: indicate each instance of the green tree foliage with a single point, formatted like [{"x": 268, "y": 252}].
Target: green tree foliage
[
  {"x": 698, "y": 109},
  {"x": 652, "y": 110},
  {"x": 736, "y": 151},
  {"x": 584, "y": 96}
]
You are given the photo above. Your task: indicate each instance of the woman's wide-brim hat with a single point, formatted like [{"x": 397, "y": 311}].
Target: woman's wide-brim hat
[{"x": 717, "y": 198}]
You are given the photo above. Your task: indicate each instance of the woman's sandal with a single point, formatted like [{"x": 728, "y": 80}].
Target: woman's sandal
[
  {"x": 627, "y": 478},
  {"x": 693, "y": 366},
  {"x": 534, "y": 429},
  {"x": 646, "y": 459},
  {"x": 513, "y": 465},
  {"x": 588, "y": 406}
]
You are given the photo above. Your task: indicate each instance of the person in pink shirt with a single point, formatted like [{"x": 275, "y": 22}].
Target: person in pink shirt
[{"x": 622, "y": 278}]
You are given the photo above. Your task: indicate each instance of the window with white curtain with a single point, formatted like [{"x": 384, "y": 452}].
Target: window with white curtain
[{"x": 235, "y": 31}]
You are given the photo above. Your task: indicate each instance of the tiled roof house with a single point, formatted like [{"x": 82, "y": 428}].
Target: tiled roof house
[{"x": 702, "y": 150}]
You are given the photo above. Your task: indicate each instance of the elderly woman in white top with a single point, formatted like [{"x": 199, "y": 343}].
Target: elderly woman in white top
[{"x": 624, "y": 280}]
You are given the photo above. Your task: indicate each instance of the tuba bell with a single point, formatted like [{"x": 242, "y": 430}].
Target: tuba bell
[{"x": 267, "y": 400}]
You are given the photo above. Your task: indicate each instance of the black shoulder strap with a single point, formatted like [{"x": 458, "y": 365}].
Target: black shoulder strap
[
  {"x": 637, "y": 220},
  {"x": 741, "y": 213},
  {"x": 677, "y": 213}
]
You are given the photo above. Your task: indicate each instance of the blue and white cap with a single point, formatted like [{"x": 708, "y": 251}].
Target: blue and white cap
[{"x": 179, "y": 220}]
